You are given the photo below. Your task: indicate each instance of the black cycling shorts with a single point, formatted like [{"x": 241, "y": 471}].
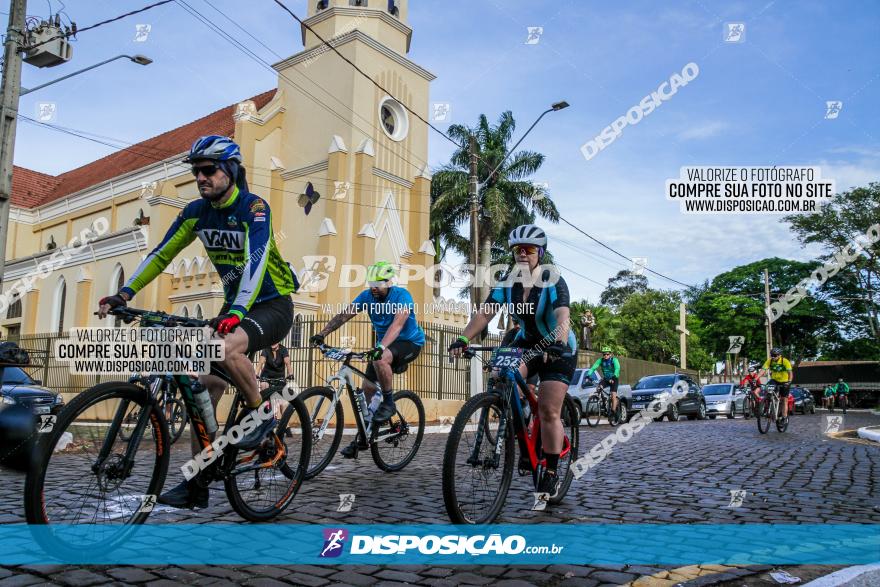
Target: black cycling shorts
[
  {"x": 611, "y": 382},
  {"x": 266, "y": 323},
  {"x": 403, "y": 352},
  {"x": 555, "y": 369},
  {"x": 782, "y": 388}
]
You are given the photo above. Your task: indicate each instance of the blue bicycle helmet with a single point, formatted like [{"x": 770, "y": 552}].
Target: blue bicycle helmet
[{"x": 214, "y": 148}]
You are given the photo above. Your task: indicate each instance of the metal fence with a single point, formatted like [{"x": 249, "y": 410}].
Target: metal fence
[{"x": 431, "y": 375}]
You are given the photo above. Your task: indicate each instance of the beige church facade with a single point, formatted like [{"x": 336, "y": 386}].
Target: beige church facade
[{"x": 324, "y": 125}]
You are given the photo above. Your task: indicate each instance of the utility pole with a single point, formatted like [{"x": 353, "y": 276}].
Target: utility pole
[
  {"x": 9, "y": 93},
  {"x": 474, "y": 191},
  {"x": 476, "y": 373},
  {"x": 767, "y": 317},
  {"x": 684, "y": 333}
]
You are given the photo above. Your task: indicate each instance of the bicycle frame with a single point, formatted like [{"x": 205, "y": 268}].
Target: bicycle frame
[
  {"x": 345, "y": 379},
  {"x": 528, "y": 436}
]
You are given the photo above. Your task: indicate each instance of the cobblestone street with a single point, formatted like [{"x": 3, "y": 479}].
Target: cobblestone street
[{"x": 680, "y": 473}]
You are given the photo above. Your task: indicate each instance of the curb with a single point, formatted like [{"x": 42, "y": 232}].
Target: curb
[
  {"x": 844, "y": 576},
  {"x": 870, "y": 433}
]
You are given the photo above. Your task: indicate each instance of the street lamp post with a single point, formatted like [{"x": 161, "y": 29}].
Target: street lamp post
[
  {"x": 11, "y": 91},
  {"x": 139, "y": 59},
  {"x": 474, "y": 186}
]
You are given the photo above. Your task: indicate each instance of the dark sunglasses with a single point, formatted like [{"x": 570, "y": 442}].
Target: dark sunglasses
[
  {"x": 206, "y": 170},
  {"x": 527, "y": 249}
]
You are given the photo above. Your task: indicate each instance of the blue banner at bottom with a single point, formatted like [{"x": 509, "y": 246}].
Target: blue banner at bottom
[{"x": 581, "y": 544}]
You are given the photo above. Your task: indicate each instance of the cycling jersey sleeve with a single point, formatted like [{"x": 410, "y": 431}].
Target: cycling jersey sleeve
[
  {"x": 595, "y": 366},
  {"x": 562, "y": 296},
  {"x": 616, "y": 367},
  {"x": 178, "y": 236},
  {"x": 496, "y": 296},
  {"x": 257, "y": 243},
  {"x": 766, "y": 364},
  {"x": 361, "y": 302}
]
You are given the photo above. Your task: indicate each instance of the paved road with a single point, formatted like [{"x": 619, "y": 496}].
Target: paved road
[{"x": 670, "y": 472}]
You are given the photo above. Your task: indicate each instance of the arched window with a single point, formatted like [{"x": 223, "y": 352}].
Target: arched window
[
  {"x": 14, "y": 309},
  {"x": 184, "y": 312},
  {"x": 198, "y": 312},
  {"x": 117, "y": 280},
  {"x": 296, "y": 331},
  {"x": 58, "y": 306}
]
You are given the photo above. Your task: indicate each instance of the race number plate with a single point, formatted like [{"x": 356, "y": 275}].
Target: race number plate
[
  {"x": 335, "y": 354},
  {"x": 507, "y": 357}
]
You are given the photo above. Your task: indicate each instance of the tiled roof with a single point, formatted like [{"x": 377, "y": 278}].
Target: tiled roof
[{"x": 31, "y": 188}]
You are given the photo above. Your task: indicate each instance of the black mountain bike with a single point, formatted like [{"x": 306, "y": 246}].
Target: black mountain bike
[
  {"x": 770, "y": 409},
  {"x": 393, "y": 444},
  {"x": 105, "y": 484},
  {"x": 164, "y": 389},
  {"x": 478, "y": 459},
  {"x": 599, "y": 404}
]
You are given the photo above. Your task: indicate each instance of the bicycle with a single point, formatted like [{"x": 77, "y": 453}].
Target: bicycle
[
  {"x": 842, "y": 401},
  {"x": 117, "y": 480},
  {"x": 492, "y": 419},
  {"x": 768, "y": 411},
  {"x": 392, "y": 444},
  {"x": 750, "y": 402},
  {"x": 164, "y": 389},
  {"x": 599, "y": 404}
]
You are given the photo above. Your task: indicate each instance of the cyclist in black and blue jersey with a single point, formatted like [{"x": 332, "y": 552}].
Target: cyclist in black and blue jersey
[
  {"x": 399, "y": 338},
  {"x": 235, "y": 227},
  {"x": 538, "y": 300}
]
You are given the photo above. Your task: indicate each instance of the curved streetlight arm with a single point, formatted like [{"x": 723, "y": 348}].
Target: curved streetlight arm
[
  {"x": 553, "y": 108},
  {"x": 139, "y": 59}
]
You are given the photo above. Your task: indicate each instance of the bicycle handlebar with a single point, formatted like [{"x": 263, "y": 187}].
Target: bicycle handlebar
[
  {"x": 162, "y": 319},
  {"x": 348, "y": 356}
]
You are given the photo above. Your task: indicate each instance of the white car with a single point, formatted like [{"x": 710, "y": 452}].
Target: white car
[{"x": 583, "y": 386}]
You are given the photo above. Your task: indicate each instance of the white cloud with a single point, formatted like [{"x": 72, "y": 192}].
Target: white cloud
[{"x": 703, "y": 131}]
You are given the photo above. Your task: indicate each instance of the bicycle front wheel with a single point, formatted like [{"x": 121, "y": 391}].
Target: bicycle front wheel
[
  {"x": 563, "y": 469},
  {"x": 394, "y": 443},
  {"x": 85, "y": 476},
  {"x": 477, "y": 463},
  {"x": 593, "y": 411},
  {"x": 762, "y": 415},
  {"x": 263, "y": 482},
  {"x": 176, "y": 416},
  {"x": 327, "y": 422}
]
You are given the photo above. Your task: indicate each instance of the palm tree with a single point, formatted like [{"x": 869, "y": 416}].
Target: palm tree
[{"x": 507, "y": 199}]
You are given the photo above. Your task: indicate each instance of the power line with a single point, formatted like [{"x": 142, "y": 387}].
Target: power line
[
  {"x": 98, "y": 24},
  {"x": 360, "y": 71},
  {"x": 621, "y": 254},
  {"x": 590, "y": 279}
]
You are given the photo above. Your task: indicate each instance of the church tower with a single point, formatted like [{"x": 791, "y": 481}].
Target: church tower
[{"x": 360, "y": 145}]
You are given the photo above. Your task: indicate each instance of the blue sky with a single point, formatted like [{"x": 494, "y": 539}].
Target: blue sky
[{"x": 760, "y": 102}]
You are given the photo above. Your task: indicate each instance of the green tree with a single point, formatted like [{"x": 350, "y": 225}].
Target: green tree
[
  {"x": 507, "y": 198},
  {"x": 647, "y": 322},
  {"x": 855, "y": 290},
  {"x": 621, "y": 286},
  {"x": 732, "y": 304}
]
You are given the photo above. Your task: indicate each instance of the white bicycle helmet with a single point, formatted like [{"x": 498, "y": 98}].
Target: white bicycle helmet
[{"x": 527, "y": 234}]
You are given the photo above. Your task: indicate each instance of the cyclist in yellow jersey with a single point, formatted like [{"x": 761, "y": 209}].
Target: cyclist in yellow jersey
[{"x": 779, "y": 369}]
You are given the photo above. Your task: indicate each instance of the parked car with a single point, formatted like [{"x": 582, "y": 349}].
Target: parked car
[
  {"x": 22, "y": 403},
  {"x": 723, "y": 399},
  {"x": 803, "y": 401},
  {"x": 582, "y": 386},
  {"x": 652, "y": 387}
]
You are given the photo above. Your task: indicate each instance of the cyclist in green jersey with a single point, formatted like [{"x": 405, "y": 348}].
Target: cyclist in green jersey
[{"x": 610, "y": 367}]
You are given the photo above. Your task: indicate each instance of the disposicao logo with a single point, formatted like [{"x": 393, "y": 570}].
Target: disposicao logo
[{"x": 334, "y": 538}]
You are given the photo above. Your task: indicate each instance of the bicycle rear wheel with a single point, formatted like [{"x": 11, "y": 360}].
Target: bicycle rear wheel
[
  {"x": 477, "y": 464},
  {"x": 563, "y": 469},
  {"x": 394, "y": 443},
  {"x": 264, "y": 481},
  {"x": 593, "y": 411},
  {"x": 327, "y": 422},
  {"x": 81, "y": 477},
  {"x": 762, "y": 415}
]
